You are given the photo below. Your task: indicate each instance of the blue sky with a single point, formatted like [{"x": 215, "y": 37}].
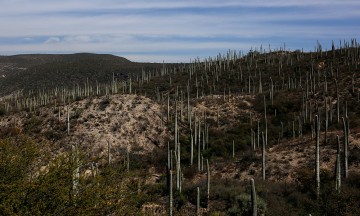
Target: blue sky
[{"x": 173, "y": 30}]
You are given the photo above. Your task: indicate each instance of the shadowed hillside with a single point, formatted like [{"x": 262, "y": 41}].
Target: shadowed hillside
[{"x": 38, "y": 72}]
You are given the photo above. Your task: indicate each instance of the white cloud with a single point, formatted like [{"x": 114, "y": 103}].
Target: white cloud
[
  {"x": 27, "y": 39},
  {"x": 51, "y": 40}
]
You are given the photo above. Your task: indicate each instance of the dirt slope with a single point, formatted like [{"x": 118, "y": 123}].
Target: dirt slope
[{"x": 126, "y": 121}]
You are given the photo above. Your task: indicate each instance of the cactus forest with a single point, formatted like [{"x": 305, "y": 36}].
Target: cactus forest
[{"x": 260, "y": 132}]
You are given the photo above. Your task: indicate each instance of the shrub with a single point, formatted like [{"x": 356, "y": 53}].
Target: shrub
[
  {"x": 104, "y": 103},
  {"x": 33, "y": 125},
  {"x": 242, "y": 205}
]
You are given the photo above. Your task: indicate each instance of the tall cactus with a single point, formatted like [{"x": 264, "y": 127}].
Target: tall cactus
[
  {"x": 266, "y": 128},
  {"x": 168, "y": 167},
  {"x": 346, "y": 142},
  {"x": 337, "y": 102},
  {"x": 258, "y": 134},
  {"x": 338, "y": 167},
  {"x": 59, "y": 114},
  {"x": 199, "y": 158},
  {"x": 191, "y": 150},
  {"x": 76, "y": 171},
  {"x": 168, "y": 108},
  {"x": 198, "y": 201},
  {"x": 317, "y": 156},
  {"x": 68, "y": 121},
  {"x": 108, "y": 153},
  {"x": 176, "y": 127},
  {"x": 293, "y": 129},
  {"x": 233, "y": 149},
  {"x": 326, "y": 120},
  {"x": 208, "y": 184},
  {"x": 263, "y": 156},
  {"x": 127, "y": 160},
  {"x": 171, "y": 194},
  {"x": 178, "y": 168},
  {"x": 253, "y": 198}
]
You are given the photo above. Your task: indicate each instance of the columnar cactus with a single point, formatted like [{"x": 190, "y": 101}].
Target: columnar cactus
[
  {"x": 317, "y": 156},
  {"x": 208, "y": 183},
  {"x": 293, "y": 129},
  {"x": 338, "y": 167},
  {"x": 346, "y": 142},
  {"x": 128, "y": 160},
  {"x": 199, "y": 158},
  {"x": 263, "y": 156},
  {"x": 258, "y": 134},
  {"x": 260, "y": 83},
  {"x": 326, "y": 120},
  {"x": 253, "y": 198},
  {"x": 171, "y": 195},
  {"x": 76, "y": 171},
  {"x": 178, "y": 172},
  {"x": 272, "y": 91},
  {"x": 176, "y": 127},
  {"x": 130, "y": 90},
  {"x": 252, "y": 139},
  {"x": 191, "y": 149},
  {"x": 68, "y": 121},
  {"x": 59, "y": 112},
  {"x": 168, "y": 108},
  {"x": 198, "y": 201},
  {"x": 168, "y": 167},
  {"x": 108, "y": 153},
  {"x": 233, "y": 149},
  {"x": 266, "y": 129},
  {"x": 337, "y": 103}
]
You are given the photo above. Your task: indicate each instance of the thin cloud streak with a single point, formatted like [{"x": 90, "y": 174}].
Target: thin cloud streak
[{"x": 40, "y": 6}]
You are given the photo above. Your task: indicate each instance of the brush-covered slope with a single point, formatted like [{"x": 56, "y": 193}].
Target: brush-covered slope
[{"x": 43, "y": 71}]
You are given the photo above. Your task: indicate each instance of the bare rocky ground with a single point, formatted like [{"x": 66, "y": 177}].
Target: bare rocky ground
[
  {"x": 286, "y": 160},
  {"x": 126, "y": 121}
]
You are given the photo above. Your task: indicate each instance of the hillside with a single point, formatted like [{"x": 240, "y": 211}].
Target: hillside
[
  {"x": 131, "y": 145},
  {"x": 42, "y": 71}
]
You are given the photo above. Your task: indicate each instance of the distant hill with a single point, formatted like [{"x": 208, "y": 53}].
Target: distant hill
[{"x": 39, "y": 71}]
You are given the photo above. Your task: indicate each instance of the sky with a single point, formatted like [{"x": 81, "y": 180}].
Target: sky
[{"x": 173, "y": 30}]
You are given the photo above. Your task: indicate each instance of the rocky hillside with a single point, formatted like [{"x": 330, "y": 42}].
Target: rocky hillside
[{"x": 126, "y": 121}]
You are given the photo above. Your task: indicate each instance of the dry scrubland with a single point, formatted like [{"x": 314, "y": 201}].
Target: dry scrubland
[{"x": 111, "y": 148}]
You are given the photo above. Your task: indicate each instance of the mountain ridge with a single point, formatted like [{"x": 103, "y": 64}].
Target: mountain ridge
[{"x": 42, "y": 71}]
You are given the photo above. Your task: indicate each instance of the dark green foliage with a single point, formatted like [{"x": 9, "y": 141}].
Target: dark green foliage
[
  {"x": 2, "y": 111},
  {"x": 221, "y": 141},
  {"x": 25, "y": 189},
  {"x": 179, "y": 200},
  {"x": 247, "y": 158},
  {"x": 17, "y": 156},
  {"x": 104, "y": 103},
  {"x": 33, "y": 125},
  {"x": 242, "y": 205},
  {"x": 76, "y": 113},
  {"x": 354, "y": 156}
]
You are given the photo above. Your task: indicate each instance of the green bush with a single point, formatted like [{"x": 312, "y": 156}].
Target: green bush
[{"x": 242, "y": 205}]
